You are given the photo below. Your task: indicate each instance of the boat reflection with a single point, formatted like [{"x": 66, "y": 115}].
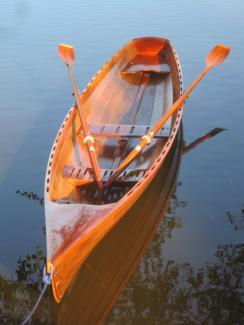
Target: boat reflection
[
  {"x": 110, "y": 265},
  {"x": 201, "y": 139},
  {"x": 159, "y": 291}
]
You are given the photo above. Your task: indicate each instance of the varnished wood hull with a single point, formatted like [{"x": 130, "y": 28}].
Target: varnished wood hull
[{"x": 75, "y": 220}]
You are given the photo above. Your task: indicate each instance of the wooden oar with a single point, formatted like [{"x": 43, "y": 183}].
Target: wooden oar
[
  {"x": 67, "y": 54},
  {"x": 214, "y": 58}
]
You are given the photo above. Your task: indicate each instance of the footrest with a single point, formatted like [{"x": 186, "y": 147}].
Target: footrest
[{"x": 78, "y": 173}]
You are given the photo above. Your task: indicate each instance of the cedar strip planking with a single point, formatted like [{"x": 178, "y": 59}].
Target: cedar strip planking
[
  {"x": 122, "y": 98},
  {"x": 143, "y": 117}
]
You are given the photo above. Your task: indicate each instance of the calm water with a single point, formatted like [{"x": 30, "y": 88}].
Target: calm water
[{"x": 193, "y": 272}]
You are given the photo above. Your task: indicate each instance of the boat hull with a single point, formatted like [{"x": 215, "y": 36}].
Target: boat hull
[{"x": 74, "y": 226}]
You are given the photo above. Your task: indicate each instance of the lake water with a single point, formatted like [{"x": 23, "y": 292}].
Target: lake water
[{"x": 193, "y": 272}]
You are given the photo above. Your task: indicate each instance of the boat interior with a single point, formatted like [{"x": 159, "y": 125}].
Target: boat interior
[{"x": 129, "y": 95}]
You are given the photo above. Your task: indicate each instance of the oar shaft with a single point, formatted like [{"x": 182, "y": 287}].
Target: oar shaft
[
  {"x": 77, "y": 99},
  {"x": 218, "y": 54},
  {"x": 179, "y": 102},
  {"x": 88, "y": 139},
  {"x": 146, "y": 139}
]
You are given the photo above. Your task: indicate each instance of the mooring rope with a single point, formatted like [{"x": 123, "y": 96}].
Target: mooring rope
[{"x": 47, "y": 278}]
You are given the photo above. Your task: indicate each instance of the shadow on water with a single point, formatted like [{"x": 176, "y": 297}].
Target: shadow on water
[{"x": 160, "y": 292}]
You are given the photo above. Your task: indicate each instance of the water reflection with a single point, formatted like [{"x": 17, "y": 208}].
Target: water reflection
[
  {"x": 20, "y": 292},
  {"x": 164, "y": 292},
  {"x": 161, "y": 291},
  {"x": 237, "y": 220},
  {"x": 31, "y": 196},
  {"x": 202, "y": 139}
]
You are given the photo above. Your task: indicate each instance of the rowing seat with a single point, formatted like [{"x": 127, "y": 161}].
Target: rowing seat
[
  {"x": 125, "y": 131},
  {"x": 81, "y": 173},
  {"x": 146, "y": 64}
]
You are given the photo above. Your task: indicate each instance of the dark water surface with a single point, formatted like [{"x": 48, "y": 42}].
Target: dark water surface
[{"x": 193, "y": 272}]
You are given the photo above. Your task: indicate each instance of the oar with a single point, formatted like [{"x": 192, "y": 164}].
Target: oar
[
  {"x": 214, "y": 58},
  {"x": 67, "y": 54}
]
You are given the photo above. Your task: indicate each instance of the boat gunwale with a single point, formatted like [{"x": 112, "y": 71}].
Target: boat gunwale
[{"x": 120, "y": 207}]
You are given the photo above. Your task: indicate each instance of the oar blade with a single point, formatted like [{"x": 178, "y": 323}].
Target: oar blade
[
  {"x": 218, "y": 54},
  {"x": 67, "y": 53}
]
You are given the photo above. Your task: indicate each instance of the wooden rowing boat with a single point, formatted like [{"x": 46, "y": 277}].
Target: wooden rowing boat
[{"x": 125, "y": 98}]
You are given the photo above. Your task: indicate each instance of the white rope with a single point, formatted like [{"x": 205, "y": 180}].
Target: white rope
[
  {"x": 46, "y": 280},
  {"x": 29, "y": 316}
]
